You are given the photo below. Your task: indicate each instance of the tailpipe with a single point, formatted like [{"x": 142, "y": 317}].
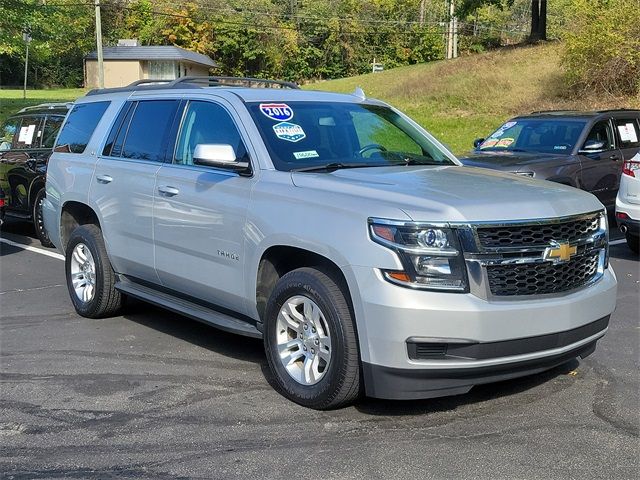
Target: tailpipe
[{"x": 623, "y": 228}]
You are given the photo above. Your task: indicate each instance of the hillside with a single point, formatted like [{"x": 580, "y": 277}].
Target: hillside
[{"x": 466, "y": 98}]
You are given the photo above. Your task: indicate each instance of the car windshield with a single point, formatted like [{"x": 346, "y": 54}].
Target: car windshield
[
  {"x": 306, "y": 135},
  {"x": 535, "y": 135}
]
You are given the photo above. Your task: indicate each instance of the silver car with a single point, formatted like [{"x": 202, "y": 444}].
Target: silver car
[{"x": 332, "y": 226}]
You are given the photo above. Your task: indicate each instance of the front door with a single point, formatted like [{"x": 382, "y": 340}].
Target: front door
[
  {"x": 601, "y": 169},
  {"x": 200, "y": 213}
]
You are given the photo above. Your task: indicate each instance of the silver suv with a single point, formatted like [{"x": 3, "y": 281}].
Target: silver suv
[{"x": 332, "y": 226}]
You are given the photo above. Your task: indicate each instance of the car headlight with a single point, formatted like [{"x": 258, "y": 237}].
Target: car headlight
[{"x": 431, "y": 255}]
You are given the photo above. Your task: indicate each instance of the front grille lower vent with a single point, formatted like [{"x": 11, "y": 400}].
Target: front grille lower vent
[
  {"x": 426, "y": 351},
  {"x": 542, "y": 278}
]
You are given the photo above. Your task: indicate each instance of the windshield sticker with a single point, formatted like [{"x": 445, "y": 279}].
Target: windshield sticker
[
  {"x": 26, "y": 134},
  {"x": 279, "y": 112},
  {"x": 307, "y": 154},
  {"x": 505, "y": 142},
  {"x": 289, "y": 132},
  {"x": 559, "y": 147},
  {"x": 498, "y": 133},
  {"x": 488, "y": 144}
]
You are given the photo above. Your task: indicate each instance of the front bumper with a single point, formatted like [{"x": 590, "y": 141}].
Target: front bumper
[
  {"x": 491, "y": 339},
  {"x": 408, "y": 384}
]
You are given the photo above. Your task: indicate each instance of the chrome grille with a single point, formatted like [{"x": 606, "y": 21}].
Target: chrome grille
[
  {"x": 537, "y": 234},
  {"x": 543, "y": 277}
]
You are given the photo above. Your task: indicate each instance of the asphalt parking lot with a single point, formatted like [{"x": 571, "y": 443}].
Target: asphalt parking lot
[{"x": 154, "y": 395}]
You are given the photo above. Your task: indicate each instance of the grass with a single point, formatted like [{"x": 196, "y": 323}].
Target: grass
[
  {"x": 463, "y": 99},
  {"x": 11, "y": 100}
]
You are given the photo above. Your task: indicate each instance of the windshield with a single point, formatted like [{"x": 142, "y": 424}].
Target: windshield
[
  {"x": 535, "y": 135},
  {"x": 303, "y": 135}
]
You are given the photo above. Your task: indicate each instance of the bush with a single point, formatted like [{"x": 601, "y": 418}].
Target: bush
[{"x": 602, "y": 51}]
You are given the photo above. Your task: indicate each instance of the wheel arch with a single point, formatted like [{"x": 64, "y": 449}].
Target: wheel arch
[{"x": 73, "y": 214}]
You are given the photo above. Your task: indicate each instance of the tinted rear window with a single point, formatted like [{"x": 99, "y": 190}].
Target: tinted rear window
[
  {"x": 79, "y": 127},
  {"x": 148, "y": 133}
]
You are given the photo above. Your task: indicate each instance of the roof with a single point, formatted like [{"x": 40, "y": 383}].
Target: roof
[
  {"x": 46, "y": 108},
  {"x": 575, "y": 114},
  {"x": 158, "y": 52}
]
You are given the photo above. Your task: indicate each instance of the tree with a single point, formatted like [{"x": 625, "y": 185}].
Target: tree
[{"x": 538, "y": 14}]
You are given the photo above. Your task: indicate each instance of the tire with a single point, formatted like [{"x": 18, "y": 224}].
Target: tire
[
  {"x": 633, "y": 241},
  {"x": 38, "y": 221},
  {"x": 338, "y": 384},
  {"x": 105, "y": 300}
]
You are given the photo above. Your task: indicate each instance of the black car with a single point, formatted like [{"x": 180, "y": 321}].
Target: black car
[
  {"x": 26, "y": 142},
  {"x": 582, "y": 149}
]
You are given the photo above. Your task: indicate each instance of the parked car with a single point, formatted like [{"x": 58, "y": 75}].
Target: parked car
[
  {"x": 582, "y": 149},
  {"x": 628, "y": 203},
  {"x": 333, "y": 227},
  {"x": 2, "y": 205},
  {"x": 26, "y": 142}
]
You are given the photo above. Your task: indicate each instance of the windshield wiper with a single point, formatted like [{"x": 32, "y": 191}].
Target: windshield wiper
[{"x": 331, "y": 167}]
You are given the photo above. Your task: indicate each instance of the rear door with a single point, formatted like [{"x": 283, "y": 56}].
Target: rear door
[
  {"x": 124, "y": 179},
  {"x": 601, "y": 169},
  {"x": 200, "y": 212}
]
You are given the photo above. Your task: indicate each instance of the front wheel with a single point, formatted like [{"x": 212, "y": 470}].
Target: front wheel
[
  {"x": 633, "y": 241},
  {"x": 310, "y": 340},
  {"x": 38, "y": 220}
]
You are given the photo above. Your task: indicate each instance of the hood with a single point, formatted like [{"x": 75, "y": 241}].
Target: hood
[
  {"x": 510, "y": 161},
  {"x": 451, "y": 193}
]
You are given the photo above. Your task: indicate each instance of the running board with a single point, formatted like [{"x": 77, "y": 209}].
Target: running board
[{"x": 189, "y": 309}]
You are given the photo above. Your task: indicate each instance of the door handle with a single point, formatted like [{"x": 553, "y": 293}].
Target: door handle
[
  {"x": 168, "y": 191},
  {"x": 614, "y": 157},
  {"x": 104, "y": 179}
]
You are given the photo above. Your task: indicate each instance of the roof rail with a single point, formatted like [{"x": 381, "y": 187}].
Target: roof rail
[
  {"x": 49, "y": 106},
  {"x": 196, "y": 82}
]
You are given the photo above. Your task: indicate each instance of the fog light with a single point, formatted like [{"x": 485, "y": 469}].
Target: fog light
[{"x": 429, "y": 266}]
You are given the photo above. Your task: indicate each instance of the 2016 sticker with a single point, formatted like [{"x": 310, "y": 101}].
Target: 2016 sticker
[
  {"x": 277, "y": 111},
  {"x": 289, "y": 132}
]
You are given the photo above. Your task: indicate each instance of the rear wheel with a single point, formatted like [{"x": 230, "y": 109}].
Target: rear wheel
[
  {"x": 90, "y": 278},
  {"x": 38, "y": 220},
  {"x": 310, "y": 340},
  {"x": 633, "y": 241}
]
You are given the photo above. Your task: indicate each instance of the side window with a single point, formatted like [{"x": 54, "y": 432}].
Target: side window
[
  {"x": 51, "y": 127},
  {"x": 628, "y": 132},
  {"x": 601, "y": 132},
  {"x": 79, "y": 127},
  {"x": 115, "y": 140},
  {"x": 207, "y": 123},
  {"x": 7, "y": 133},
  {"x": 147, "y": 136},
  {"x": 29, "y": 133}
]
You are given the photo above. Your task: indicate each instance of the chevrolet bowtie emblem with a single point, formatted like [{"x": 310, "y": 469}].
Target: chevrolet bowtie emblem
[{"x": 560, "y": 252}]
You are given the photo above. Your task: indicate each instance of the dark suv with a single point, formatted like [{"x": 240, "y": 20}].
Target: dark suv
[
  {"x": 26, "y": 142},
  {"x": 582, "y": 149}
]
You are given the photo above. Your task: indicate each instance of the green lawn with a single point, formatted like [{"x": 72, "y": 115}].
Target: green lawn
[{"x": 11, "y": 100}]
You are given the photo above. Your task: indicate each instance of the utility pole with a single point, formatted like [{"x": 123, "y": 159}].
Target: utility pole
[
  {"x": 26, "y": 36},
  {"x": 452, "y": 34},
  {"x": 422, "y": 11},
  {"x": 99, "y": 45}
]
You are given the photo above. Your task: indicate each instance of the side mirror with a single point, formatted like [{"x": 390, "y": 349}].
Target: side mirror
[
  {"x": 593, "y": 146},
  {"x": 219, "y": 156},
  {"x": 477, "y": 142}
]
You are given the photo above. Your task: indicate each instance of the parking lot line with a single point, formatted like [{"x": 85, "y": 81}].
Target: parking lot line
[{"x": 33, "y": 249}]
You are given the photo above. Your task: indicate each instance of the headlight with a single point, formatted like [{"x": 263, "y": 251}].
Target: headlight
[{"x": 431, "y": 255}]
